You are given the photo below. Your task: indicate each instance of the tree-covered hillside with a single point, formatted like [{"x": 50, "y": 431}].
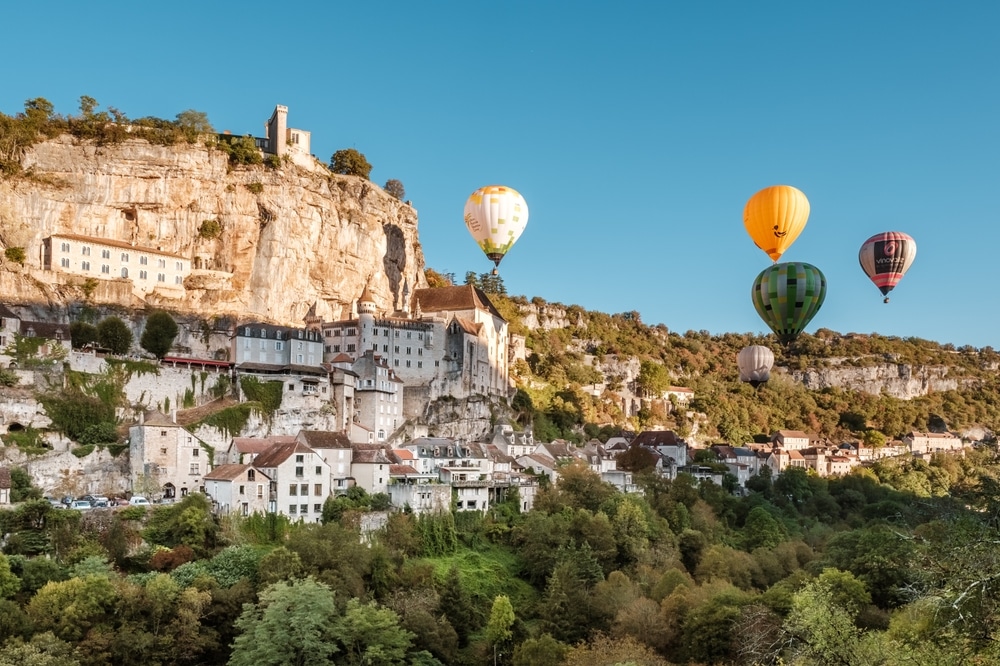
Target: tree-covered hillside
[{"x": 567, "y": 346}]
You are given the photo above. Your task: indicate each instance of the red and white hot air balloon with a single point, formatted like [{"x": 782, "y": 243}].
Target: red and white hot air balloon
[{"x": 885, "y": 258}]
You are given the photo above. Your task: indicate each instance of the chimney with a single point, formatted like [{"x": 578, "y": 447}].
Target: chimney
[{"x": 173, "y": 415}]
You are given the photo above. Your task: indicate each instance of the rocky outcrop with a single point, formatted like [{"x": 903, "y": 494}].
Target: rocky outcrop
[
  {"x": 290, "y": 237},
  {"x": 898, "y": 380}
]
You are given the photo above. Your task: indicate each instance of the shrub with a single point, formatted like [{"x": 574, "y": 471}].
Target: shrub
[
  {"x": 28, "y": 440},
  {"x": 103, "y": 432},
  {"x": 83, "y": 451},
  {"x": 395, "y": 188},
  {"x": 8, "y": 378},
  {"x": 210, "y": 229},
  {"x": 159, "y": 334},
  {"x": 255, "y": 187},
  {"x": 240, "y": 149},
  {"x": 272, "y": 162},
  {"x": 115, "y": 335},
  {"x": 350, "y": 162},
  {"x": 15, "y": 254}
]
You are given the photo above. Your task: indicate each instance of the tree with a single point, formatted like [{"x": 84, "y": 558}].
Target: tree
[
  {"x": 395, "y": 188},
  {"x": 194, "y": 122},
  {"x": 81, "y": 334},
  {"x": 350, "y": 162},
  {"x": 114, "y": 334},
  {"x": 371, "y": 635},
  {"x": 653, "y": 379},
  {"x": 293, "y": 623},
  {"x": 159, "y": 334},
  {"x": 498, "y": 628}
]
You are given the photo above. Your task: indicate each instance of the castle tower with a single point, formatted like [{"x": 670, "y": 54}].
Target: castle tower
[{"x": 366, "y": 320}]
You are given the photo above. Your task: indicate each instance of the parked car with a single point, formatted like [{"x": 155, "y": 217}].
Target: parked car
[
  {"x": 138, "y": 500},
  {"x": 80, "y": 505},
  {"x": 56, "y": 504},
  {"x": 67, "y": 500}
]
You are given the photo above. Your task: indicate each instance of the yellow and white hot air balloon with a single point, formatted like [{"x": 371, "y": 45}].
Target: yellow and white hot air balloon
[{"x": 495, "y": 216}]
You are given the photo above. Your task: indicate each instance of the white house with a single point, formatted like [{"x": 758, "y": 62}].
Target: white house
[
  {"x": 241, "y": 489},
  {"x": 166, "y": 460},
  {"x": 300, "y": 480}
]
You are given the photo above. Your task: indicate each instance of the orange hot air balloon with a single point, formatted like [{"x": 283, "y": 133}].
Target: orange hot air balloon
[{"x": 774, "y": 218}]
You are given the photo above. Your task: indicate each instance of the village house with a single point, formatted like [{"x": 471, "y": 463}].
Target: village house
[
  {"x": 791, "y": 440},
  {"x": 926, "y": 443},
  {"x": 378, "y": 396},
  {"x": 370, "y": 468},
  {"x": 300, "y": 480},
  {"x": 56, "y": 337},
  {"x": 337, "y": 452},
  {"x": 241, "y": 489},
  {"x": 166, "y": 460}
]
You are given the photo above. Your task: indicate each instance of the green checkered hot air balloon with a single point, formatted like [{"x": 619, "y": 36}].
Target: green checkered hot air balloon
[{"x": 787, "y": 296}]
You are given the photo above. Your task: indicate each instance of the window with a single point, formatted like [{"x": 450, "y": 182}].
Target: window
[
  {"x": 250, "y": 475},
  {"x": 163, "y": 433},
  {"x": 260, "y": 491},
  {"x": 298, "y": 471},
  {"x": 279, "y": 345},
  {"x": 160, "y": 277},
  {"x": 293, "y": 489},
  {"x": 395, "y": 362},
  {"x": 124, "y": 257},
  {"x": 420, "y": 351},
  {"x": 385, "y": 333},
  {"x": 336, "y": 348},
  {"x": 409, "y": 350},
  {"x": 374, "y": 346},
  {"x": 319, "y": 470},
  {"x": 317, "y": 508},
  {"x": 163, "y": 451},
  {"x": 350, "y": 348},
  {"x": 195, "y": 468},
  {"x": 304, "y": 508},
  {"x": 407, "y": 363},
  {"x": 298, "y": 358},
  {"x": 304, "y": 490},
  {"x": 106, "y": 269},
  {"x": 396, "y": 349},
  {"x": 396, "y": 334},
  {"x": 291, "y": 387},
  {"x": 409, "y": 335},
  {"x": 161, "y": 263},
  {"x": 124, "y": 271},
  {"x": 64, "y": 262},
  {"x": 352, "y": 331},
  {"x": 292, "y": 509},
  {"x": 105, "y": 254},
  {"x": 65, "y": 247},
  {"x": 143, "y": 275},
  {"x": 143, "y": 260},
  {"x": 84, "y": 265},
  {"x": 420, "y": 364},
  {"x": 194, "y": 453},
  {"x": 242, "y": 491},
  {"x": 180, "y": 265},
  {"x": 178, "y": 279},
  {"x": 318, "y": 489}
]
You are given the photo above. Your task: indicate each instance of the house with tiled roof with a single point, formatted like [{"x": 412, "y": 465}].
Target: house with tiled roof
[
  {"x": 378, "y": 396},
  {"x": 243, "y": 450},
  {"x": 300, "y": 480},
  {"x": 791, "y": 440},
  {"x": 337, "y": 451},
  {"x": 370, "y": 467},
  {"x": 56, "y": 337},
  {"x": 241, "y": 489},
  {"x": 166, "y": 460},
  {"x": 926, "y": 443}
]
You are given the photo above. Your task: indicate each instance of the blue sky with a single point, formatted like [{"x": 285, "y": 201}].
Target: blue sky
[{"x": 636, "y": 131}]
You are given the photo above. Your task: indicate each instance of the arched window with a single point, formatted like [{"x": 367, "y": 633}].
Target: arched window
[{"x": 124, "y": 271}]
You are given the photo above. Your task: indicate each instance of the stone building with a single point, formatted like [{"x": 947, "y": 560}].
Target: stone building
[
  {"x": 105, "y": 259},
  {"x": 166, "y": 460},
  {"x": 454, "y": 343}
]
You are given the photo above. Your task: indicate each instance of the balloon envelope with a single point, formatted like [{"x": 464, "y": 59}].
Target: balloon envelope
[
  {"x": 495, "y": 216},
  {"x": 885, "y": 258},
  {"x": 787, "y": 296},
  {"x": 774, "y": 218},
  {"x": 755, "y": 363}
]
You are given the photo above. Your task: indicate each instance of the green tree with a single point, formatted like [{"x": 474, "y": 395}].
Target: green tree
[
  {"x": 44, "y": 649},
  {"x": 653, "y": 379},
  {"x": 9, "y": 583},
  {"x": 350, "y": 162},
  {"x": 371, "y": 635},
  {"x": 762, "y": 530},
  {"x": 498, "y": 628},
  {"x": 114, "y": 334},
  {"x": 159, "y": 334},
  {"x": 81, "y": 333},
  {"x": 192, "y": 123},
  {"x": 293, "y": 623},
  {"x": 822, "y": 619}
]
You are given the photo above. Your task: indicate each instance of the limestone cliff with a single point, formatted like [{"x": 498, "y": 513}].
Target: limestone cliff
[
  {"x": 290, "y": 237},
  {"x": 900, "y": 380}
]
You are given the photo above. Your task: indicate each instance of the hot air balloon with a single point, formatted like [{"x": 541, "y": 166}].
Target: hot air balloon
[
  {"x": 787, "y": 296},
  {"x": 495, "y": 216},
  {"x": 755, "y": 363},
  {"x": 774, "y": 218},
  {"x": 885, "y": 257}
]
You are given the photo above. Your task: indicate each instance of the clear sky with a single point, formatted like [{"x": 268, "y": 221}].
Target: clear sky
[{"x": 636, "y": 131}]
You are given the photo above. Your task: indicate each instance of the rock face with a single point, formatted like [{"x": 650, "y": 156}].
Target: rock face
[
  {"x": 898, "y": 380},
  {"x": 290, "y": 237}
]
